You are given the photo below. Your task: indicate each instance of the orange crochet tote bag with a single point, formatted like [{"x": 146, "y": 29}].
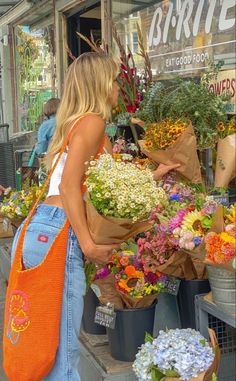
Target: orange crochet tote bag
[{"x": 33, "y": 306}]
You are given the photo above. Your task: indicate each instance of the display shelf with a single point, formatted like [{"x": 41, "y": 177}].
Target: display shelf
[
  {"x": 208, "y": 315},
  {"x": 97, "y": 364}
]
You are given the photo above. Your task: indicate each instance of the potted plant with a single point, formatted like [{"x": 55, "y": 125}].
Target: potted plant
[{"x": 133, "y": 293}]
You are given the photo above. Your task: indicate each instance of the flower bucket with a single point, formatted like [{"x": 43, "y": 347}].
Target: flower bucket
[
  {"x": 90, "y": 303},
  {"x": 186, "y": 299},
  {"x": 223, "y": 287},
  {"x": 129, "y": 333}
]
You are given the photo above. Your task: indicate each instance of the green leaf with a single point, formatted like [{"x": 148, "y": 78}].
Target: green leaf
[
  {"x": 157, "y": 375},
  {"x": 203, "y": 342},
  {"x": 214, "y": 377},
  {"x": 172, "y": 373},
  {"x": 148, "y": 338}
]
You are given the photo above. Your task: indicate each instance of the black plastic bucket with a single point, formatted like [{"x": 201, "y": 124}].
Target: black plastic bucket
[
  {"x": 90, "y": 303},
  {"x": 129, "y": 333},
  {"x": 186, "y": 300}
]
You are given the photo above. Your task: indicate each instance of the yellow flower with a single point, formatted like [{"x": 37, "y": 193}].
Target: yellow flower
[
  {"x": 227, "y": 238},
  {"x": 192, "y": 223}
]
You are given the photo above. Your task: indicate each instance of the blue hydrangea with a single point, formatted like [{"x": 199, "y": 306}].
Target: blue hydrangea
[{"x": 184, "y": 351}]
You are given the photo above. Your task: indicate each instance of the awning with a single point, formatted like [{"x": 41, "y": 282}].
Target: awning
[{"x": 6, "y": 5}]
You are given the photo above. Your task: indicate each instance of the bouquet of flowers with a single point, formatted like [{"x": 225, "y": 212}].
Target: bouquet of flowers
[
  {"x": 120, "y": 197},
  {"x": 125, "y": 283},
  {"x": 180, "y": 226},
  {"x": 16, "y": 204},
  {"x": 158, "y": 252},
  {"x": 123, "y": 150},
  {"x": 226, "y": 153},
  {"x": 221, "y": 246},
  {"x": 173, "y": 141},
  {"x": 180, "y": 354}
]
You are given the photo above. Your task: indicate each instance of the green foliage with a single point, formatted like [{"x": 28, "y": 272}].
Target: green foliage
[
  {"x": 195, "y": 102},
  {"x": 150, "y": 107},
  {"x": 189, "y": 100}
]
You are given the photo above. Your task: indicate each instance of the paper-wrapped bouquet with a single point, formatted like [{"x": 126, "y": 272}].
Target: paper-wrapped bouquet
[{"x": 120, "y": 197}]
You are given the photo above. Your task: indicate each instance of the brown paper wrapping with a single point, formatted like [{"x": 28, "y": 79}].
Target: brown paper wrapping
[
  {"x": 108, "y": 292},
  {"x": 108, "y": 230},
  {"x": 183, "y": 152},
  {"x": 138, "y": 121},
  {"x": 130, "y": 302},
  {"x": 207, "y": 375},
  {"x": 179, "y": 265},
  {"x": 225, "y": 161}
]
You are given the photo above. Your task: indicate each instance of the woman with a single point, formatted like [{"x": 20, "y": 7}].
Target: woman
[
  {"x": 46, "y": 129},
  {"x": 90, "y": 90}
]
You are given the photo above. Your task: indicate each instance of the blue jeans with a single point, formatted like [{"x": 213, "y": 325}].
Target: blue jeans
[{"x": 43, "y": 228}]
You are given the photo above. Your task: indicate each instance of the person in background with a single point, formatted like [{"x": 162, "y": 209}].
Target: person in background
[{"x": 47, "y": 128}]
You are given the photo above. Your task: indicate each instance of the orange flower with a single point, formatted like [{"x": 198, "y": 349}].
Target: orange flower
[{"x": 130, "y": 270}]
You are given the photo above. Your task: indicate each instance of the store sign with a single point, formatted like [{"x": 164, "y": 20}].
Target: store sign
[
  {"x": 187, "y": 21},
  {"x": 225, "y": 82},
  {"x": 183, "y": 35}
]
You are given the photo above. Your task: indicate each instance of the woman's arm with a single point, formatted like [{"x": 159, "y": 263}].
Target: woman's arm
[{"x": 83, "y": 145}]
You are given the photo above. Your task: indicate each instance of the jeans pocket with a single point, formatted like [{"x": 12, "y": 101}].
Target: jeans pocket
[{"x": 38, "y": 240}]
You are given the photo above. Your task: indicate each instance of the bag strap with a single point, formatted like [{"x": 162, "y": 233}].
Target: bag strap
[
  {"x": 19, "y": 248},
  {"x": 62, "y": 150}
]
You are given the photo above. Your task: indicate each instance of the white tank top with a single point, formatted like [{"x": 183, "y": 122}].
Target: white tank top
[{"x": 57, "y": 174}]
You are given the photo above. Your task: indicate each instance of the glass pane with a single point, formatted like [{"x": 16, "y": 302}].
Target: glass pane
[
  {"x": 36, "y": 73},
  {"x": 181, "y": 36}
]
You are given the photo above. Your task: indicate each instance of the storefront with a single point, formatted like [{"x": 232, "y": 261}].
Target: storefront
[{"x": 182, "y": 37}]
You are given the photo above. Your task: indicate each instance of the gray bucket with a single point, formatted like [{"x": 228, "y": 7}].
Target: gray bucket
[{"x": 223, "y": 287}]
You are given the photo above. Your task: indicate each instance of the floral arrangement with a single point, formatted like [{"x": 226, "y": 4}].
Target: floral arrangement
[
  {"x": 17, "y": 204},
  {"x": 163, "y": 134},
  {"x": 155, "y": 249},
  {"x": 225, "y": 129},
  {"x": 176, "y": 99},
  {"x": 123, "y": 150},
  {"x": 187, "y": 216},
  {"x": 122, "y": 190},
  {"x": 221, "y": 247},
  {"x": 190, "y": 225},
  {"x": 181, "y": 353},
  {"x": 125, "y": 279}
]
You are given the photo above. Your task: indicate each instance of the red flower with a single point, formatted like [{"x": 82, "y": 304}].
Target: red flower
[{"x": 131, "y": 108}]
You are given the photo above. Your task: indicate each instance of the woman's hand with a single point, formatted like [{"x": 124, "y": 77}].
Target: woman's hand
[
  {"x": 99, "y": 254},
  {"x": 163, "y": 169}
]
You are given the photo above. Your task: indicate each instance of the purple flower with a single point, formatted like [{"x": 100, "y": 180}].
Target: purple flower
[
  {"x": 197, "y": 240},
  {"x": 102, "y": 273},
  {"x": 151, "y": 278}
]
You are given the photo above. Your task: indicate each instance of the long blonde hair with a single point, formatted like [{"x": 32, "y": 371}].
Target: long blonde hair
[{"x": 87, "y": 89}]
